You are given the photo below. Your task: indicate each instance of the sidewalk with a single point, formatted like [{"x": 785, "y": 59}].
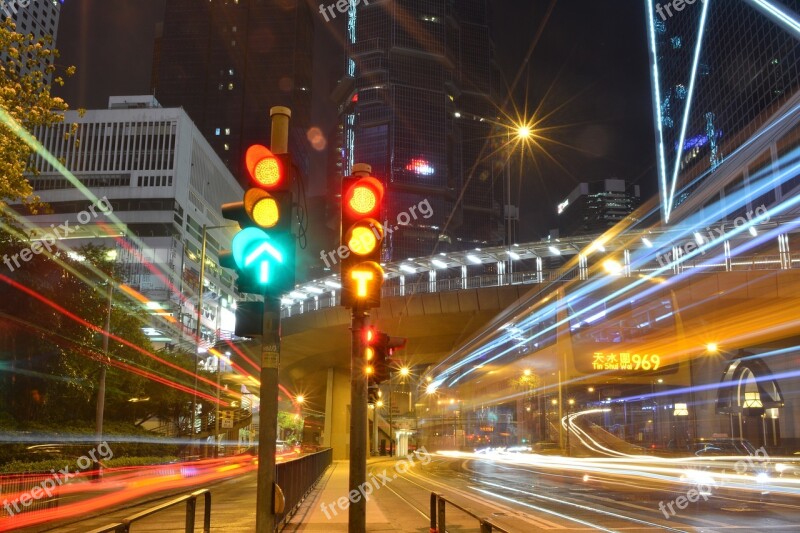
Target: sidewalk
[{"x": 333, "y": 486}]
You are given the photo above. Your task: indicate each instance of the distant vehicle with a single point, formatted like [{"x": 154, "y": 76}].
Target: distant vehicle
[{"x": 722, "y": 447}]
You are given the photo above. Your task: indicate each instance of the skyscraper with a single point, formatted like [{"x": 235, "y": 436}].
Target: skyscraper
[
  {"x": 416, "y": 106},
  {"x": 595, "y": 207},
  {"x": 38, "y": 17},
  {"x": 725, "y": 88},
  {"x": 227, "y": 63}
]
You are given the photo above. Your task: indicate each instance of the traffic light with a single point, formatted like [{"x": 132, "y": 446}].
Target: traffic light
[
  {"x": 378, "y": 351},
  {"x": 263, "y": 252},
  {"x": 361, "y": 239}
]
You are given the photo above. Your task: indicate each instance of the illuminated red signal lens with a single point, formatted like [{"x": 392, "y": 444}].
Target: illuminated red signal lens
[
  {"x": 363, "y": 200},
  {"x": 264, "y": 168},
  {"x": 364, "y": 197}
]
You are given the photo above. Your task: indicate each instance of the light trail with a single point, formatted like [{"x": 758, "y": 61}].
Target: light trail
[{"x": 100, "y": 330}]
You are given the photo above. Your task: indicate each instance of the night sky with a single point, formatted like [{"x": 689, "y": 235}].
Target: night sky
[{"x": 589, "y": 74}]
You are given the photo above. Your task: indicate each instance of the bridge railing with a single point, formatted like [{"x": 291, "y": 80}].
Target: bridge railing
[{"x": 421, "y": 286}]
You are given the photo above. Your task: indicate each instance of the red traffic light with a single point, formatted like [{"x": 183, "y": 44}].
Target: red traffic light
[
  {"x": 364, "y": 197},
  {"x": 370, "y": 335},
  {"x": 265, "y": 169}
]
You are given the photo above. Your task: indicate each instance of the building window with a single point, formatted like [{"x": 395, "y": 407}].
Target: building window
[{"x": 217, "y": 131}]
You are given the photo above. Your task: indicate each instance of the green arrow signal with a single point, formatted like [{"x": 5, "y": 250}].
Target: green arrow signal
[{"x": 263, "y": 248}]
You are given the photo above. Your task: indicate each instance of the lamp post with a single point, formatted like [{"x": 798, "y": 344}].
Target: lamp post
[
  {"x": 522, "y": 133},
  {"x": 199, "y": 328},
  {"x": 101, "y": 385},
  {"x": 570, "y": 404}
]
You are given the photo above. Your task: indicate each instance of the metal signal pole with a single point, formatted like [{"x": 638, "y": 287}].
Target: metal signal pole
[
  {"x": 357, "y": 517},
  {"x": 269, "y": 499}
]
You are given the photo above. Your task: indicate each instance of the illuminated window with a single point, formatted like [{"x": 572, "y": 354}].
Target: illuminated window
[
  {"x": 226, "y": 146},
  {"x": 217, "y": 131},
  {"x": 227, "y": 131},
  {"x": 230, "y": 86}
]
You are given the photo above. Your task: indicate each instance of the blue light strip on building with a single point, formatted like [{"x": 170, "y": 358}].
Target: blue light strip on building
[
  {"x": 779, "y": 14},
  {"x": 661, "y": 161},
  {"x": 696, "y": 60}
]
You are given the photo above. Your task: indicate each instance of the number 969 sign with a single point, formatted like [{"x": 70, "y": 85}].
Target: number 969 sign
[{"x": 626, "y": 361}]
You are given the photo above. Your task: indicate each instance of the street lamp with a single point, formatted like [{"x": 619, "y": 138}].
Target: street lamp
[
  {"x": 570, "y": 404},
  {"x": 198, "y": 329},
  {"x": 522, "y": 133}
]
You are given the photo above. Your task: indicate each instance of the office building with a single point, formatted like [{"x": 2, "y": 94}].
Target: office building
[
  {"x": 163, "y": 182},
  {"x": 595, "y": 207},
  {"x": 416, "y": 106},
  {"x": 725, "y": 98},
  {"x": 227, "y": 63},
  {"x": 37, "y": 17}
]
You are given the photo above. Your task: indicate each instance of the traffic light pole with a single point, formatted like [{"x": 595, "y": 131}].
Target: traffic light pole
[
  {"x": 268, "y": 414},
  {"x": 266, "y": 492},
  {"x": 357, "y": 517}
]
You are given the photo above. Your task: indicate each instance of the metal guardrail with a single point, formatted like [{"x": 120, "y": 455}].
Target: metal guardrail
[
  {"x": 297, "y": 478},
  {"x": 439, "y": 516},
  {"x": 191, "y": 510}
]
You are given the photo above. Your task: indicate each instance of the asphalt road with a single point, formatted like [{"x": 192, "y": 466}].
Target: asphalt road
[
  {"x": 516, "y": 498},
  {"x": 525, "y": 498}
]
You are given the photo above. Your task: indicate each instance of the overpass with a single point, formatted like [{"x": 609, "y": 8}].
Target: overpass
[{"x": 451, "y": 306}]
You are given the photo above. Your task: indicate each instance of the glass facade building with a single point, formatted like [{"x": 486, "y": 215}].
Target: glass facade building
[
  {"x": 419, "y": 113},
  {"x": 227, "y": 63},
  {"x": 724, "y": 75}
]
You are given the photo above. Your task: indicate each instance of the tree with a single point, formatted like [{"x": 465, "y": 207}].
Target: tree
[
  {"x": 25, "y": 102},
  {"x": 291, "y": 426}
]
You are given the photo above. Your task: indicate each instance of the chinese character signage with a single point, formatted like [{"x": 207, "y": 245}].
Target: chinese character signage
[{"x": 625, "y": 361}]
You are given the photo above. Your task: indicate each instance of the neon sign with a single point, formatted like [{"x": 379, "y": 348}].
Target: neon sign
[{"x": 420, "y": 167}]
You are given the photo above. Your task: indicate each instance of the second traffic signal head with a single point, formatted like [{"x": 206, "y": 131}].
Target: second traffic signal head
[{"x": 362, "y": 238}]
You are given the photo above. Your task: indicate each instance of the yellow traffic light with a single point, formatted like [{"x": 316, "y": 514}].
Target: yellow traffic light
[
  {"x": 266, "y": 213},
  {"x": 364, "y": 237}
]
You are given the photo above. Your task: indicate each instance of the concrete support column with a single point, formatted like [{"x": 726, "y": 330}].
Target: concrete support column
[
  {"x": 583, "y": 267},
  {"x": 402, "y": 443},
  {"x": 501, "y": 273},
  {"x": 539, "y": 270},
  {"x": 727, "y": 250},
  {"x": 402, "y": 285},
  {"x": 432, "y": 281},
  {"x": 784, "y": 251},
  {"x": 336, "y": 432},
  {"x": 463, "y": 276},
  {"x": 627, "y": 263}
]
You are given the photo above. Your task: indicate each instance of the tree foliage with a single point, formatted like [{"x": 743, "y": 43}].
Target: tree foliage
[
  {"x": 51, "y": 355},
  {"x": 25, "y": 97}
]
